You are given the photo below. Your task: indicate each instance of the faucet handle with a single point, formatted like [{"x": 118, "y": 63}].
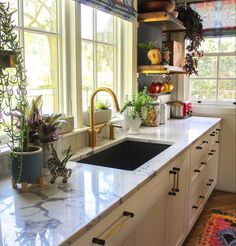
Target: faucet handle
[{"x": 112, "y": 131}]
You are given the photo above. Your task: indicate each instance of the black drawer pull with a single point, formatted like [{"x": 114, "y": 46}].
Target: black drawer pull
[
  {"x": 98, "y": 241},
  {"x": 210, "y": 153},
  {"x": 197, "y": 171},
  {"x": 128, "y": 214},
  {"x": 211, "y": 180},
  {"x": 176, "y": 169},
  {"x": 213, "y": 150},
  {"x": 172, "y": 172},
  {"x": 217, "y": 142},
  {"x": 202, "y": 197},
  {"x": 218, "y": 129},
  {"x": 208, "y": 184},
  {"x": 212, "y": 135},
  {"x": 171, "y": 193},
  {"x": 194, "y": 206},
  {"x": 203, "y": 163},
  {"x": 198, "y": 147}
]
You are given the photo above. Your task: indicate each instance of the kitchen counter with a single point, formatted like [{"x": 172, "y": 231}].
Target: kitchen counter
[{"x": 59, "y": 213}]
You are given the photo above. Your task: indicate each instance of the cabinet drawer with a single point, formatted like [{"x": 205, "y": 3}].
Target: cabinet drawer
[
  {"x": 114, "y": 224},
  {"x": 199, "y": 148},
  {"x": 195, "y": 206}
]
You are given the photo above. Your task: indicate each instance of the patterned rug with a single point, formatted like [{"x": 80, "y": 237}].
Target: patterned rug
[{"x": 220, "y": 230}]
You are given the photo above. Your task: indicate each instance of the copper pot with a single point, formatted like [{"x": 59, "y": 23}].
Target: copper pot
[{"x": 154, "y": 6}]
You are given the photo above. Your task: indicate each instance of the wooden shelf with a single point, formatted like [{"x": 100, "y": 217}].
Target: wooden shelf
[
  {"x": 165, "y": 21},
  {"x": 160, "y": 69}
]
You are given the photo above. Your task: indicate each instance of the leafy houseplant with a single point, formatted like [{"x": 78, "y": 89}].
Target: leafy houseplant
[
  {"x": 14, "y": 111},
  {"x": 136, "y": 110},
  {"x": 194, "y": 34},
  {"x": 44, "y": 129}
]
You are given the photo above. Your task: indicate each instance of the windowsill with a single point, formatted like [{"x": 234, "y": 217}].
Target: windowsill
[{"x": 214, "y": 104}]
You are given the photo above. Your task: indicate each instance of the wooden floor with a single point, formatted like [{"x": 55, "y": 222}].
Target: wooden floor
[{"x": 218, "y": 200}]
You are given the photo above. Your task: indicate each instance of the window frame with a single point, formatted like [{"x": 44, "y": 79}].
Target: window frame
[
  {"x": 95, "y": 42},
  {"x": 21, "y": 29},
  {"x": 216, "y": 54}
]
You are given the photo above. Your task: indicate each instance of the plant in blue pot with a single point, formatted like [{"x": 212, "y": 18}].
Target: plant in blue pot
[{"x": 14, "y": 107}]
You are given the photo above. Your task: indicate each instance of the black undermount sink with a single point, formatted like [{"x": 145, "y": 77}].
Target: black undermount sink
[{"x": 127, "y": 155}]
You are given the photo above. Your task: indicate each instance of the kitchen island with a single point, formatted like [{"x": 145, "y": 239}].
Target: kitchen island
[{"x": 62, "y": 213}]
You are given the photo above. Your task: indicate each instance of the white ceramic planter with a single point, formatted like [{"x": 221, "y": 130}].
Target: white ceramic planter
[
  {"x": 134, "y": 126},
  {"x": 99, "y": 117}
]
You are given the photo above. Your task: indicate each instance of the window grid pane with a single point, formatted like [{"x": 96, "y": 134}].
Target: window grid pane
[
  {"x": 98, "y": 55},
  {"x": 217, "y": 76}
]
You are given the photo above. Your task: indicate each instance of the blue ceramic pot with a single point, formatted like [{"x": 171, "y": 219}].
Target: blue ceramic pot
[{"x": 27, "y": 166}]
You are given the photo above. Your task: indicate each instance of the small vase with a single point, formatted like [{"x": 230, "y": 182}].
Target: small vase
[
  {"x": 154, "y": 55},
  {"x": 134, "y": 125}
]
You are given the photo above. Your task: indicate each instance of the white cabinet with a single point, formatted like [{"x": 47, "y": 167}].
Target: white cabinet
[
  {"x": 176, "y": 204},
  {"x": 165, "y": 209},
  {"x": 151, "y": 230},
  {"x": 203, "y": 173}
]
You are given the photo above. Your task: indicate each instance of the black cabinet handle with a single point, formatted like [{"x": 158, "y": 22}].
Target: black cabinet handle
[
  {"x": 218, "y": 129},
  {"x": 203, "y": 163},
  {"x": 197, "y": 171},
  {"x": 194, "y": 206},
  {"x": 202, "y": 197},
  {"x": 210, "y": 153},
  {"x": 171, "y": 193},
  {"x": 208, "y": 184},
  {"x": 177, "y": 169},
  {"x": 213, "y": 150},
  {"x": 211, "y": 180},
  {"x": 212, "y": 135},
  {"x": 217, "y": 142}
]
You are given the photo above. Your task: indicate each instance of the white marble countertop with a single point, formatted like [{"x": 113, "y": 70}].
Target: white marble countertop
[{"x": 51, "y": 216}]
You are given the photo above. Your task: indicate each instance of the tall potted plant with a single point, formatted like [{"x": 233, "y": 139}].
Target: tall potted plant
[{"x": 26, "y": 160}]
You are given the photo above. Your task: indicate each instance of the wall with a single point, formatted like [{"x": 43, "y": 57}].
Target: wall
[{"x": 227, "y": 164}]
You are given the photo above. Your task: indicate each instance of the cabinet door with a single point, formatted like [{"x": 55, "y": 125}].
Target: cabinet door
[
  {"x": 151, "y": 229},
  {"x": 177, "y": 204}
]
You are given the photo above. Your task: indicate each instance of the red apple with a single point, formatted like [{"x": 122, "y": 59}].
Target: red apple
[
  {"x": 154, "y": 87},
  {"x": 161, "y": 87}
]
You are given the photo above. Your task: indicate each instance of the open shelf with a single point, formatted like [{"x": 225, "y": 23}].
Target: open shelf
[
  {"x": 160, "y": 69},
  {"x": 165, "y": 21}
]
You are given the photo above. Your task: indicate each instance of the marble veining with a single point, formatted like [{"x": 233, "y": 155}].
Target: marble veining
[{"x": 57, "y": 212}]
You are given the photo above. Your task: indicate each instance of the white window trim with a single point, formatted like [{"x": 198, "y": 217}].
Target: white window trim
[{"x": 225, "y": 104}]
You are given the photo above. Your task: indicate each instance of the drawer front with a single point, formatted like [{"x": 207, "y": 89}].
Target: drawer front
[
  {"x": 112, "y": 224},
  {"x": 195, "y": 206},
  {"x": 199, "y": 148}
]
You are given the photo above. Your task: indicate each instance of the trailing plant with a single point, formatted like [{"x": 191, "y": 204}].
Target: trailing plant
[
  {"x": 13, "y": 101},
  {"x": 194, "y": 35},
  {"x": 137, "y": 103}
]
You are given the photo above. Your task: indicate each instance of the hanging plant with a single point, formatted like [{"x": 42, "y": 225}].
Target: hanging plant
[{"x": 194, "y": 34}]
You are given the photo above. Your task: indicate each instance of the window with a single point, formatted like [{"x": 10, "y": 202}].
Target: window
[
  {"x": 37, "y": 23},
  {"x": 216, "y": 80},
  {"x": 99, "y": 52}
]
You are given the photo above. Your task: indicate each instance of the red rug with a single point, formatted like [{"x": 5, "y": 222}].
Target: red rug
[{"x": 220, "y": 230}]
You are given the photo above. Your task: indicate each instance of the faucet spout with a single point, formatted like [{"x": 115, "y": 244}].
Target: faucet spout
[{"x": 92, "y": 131}]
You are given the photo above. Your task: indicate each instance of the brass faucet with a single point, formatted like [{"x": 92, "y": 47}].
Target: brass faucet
[{"x": 92, "y": 130}]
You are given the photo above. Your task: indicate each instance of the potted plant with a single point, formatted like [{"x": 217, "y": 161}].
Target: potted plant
[
  {"x": 136, "y": 109},
  {"x": 102, "y": 113},
  {"x": 44, "y": 130},
  {"x": 194, "y": 35},
  {"x": 25, "y": 159},
  {"x": 153, "y": 52}
]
